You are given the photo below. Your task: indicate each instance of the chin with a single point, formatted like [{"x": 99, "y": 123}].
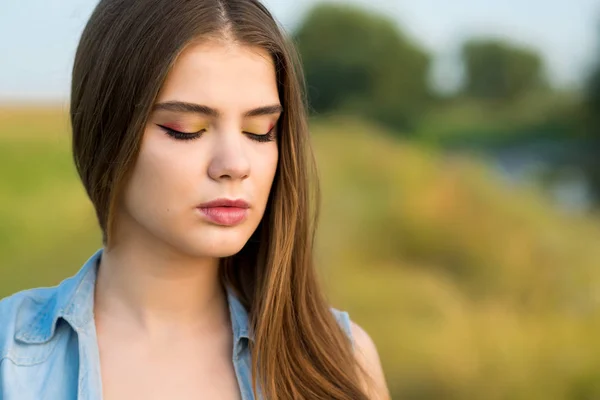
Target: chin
[{"x": 214, "y": 245}]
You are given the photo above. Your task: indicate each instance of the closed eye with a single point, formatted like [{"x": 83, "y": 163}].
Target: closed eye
[
  {"x": 267, "y": 137},
  {"x": 181, "y": 135}
]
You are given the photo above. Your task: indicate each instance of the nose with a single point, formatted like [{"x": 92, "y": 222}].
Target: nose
[{"x": 230, "y": 159}]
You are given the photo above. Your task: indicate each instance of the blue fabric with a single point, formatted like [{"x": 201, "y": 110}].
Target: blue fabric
[{"x": 48, "y": 345}]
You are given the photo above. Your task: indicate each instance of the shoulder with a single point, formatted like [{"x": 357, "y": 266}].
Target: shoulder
[
  {"x": 366, "y": 355},
  {"x": 17, "y": 311},
  {"x": 368, "y": 358}
]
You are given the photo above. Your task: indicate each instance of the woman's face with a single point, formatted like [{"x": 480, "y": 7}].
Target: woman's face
[{"x": 210, "y": 136}]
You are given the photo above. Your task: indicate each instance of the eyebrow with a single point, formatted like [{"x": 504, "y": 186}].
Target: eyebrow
[{"x": 179, "y": 106}]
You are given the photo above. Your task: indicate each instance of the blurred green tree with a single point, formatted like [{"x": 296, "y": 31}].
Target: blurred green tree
[
  {"x": 360, "y": 62},
  {"x": 592, "y": 111},
  {"x": 593, "y": 99},
  {"x": 497, "y": 70}
]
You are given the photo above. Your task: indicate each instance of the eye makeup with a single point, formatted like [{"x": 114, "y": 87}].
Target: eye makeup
[
  {"x": 266, "y": 137},
  {"x": 176, "y": 131}
]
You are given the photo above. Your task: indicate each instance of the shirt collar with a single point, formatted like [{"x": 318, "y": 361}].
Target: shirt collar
[
  {"x": 73, "y": 301},
  {"x": 239, "y": 317}
]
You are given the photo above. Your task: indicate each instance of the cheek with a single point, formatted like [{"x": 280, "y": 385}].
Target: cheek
[
  {"x": 267, "y": 163},
  {"x": 159, "y": 178}
]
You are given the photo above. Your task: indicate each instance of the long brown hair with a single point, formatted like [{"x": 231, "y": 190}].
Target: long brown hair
[{"x": 125, "y": 53}]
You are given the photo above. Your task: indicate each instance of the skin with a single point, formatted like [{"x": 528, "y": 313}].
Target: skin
[
  {"x": 161, "y": 314},
  {"x": 368, "y": 358}
]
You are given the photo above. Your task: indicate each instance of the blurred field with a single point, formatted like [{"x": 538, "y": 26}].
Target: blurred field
[
  {"x": 46, "y": 223},
  {"x": 470, "y": 290}
]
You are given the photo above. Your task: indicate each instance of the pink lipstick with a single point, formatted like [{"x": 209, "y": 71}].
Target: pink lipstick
[{"x": 225, "y": 212}]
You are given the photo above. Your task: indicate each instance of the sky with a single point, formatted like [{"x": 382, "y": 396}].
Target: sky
[{"x": 38, "y": 38}]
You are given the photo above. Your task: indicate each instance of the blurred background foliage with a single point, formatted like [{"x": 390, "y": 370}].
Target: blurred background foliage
[
  {"x": 460, "y": 229},
  {"x": 352, "y": 59}
]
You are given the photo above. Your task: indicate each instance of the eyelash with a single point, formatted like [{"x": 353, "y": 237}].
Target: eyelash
[{"x": 268, "y": 137}]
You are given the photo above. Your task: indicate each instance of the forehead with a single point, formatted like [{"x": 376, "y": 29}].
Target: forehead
[{"x": 226, "y": 76}]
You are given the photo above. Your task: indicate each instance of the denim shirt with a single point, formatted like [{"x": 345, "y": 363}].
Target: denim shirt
[{"x": 48, "y": 345}]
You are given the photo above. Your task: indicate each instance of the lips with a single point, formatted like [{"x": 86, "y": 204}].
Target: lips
[
  {"x": 225, "y": 212},
  {"x": 237, "y": 203}
]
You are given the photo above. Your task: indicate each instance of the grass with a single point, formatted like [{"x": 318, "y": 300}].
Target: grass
[
  {"x": 46, "y": 223},
  {"x": 470, "y": 289}
]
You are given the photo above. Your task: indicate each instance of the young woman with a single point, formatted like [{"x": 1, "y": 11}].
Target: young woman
[{"x": 190, "y": 136}]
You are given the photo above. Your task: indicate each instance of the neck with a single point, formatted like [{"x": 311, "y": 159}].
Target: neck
[{"x": 157, "y": 292}]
